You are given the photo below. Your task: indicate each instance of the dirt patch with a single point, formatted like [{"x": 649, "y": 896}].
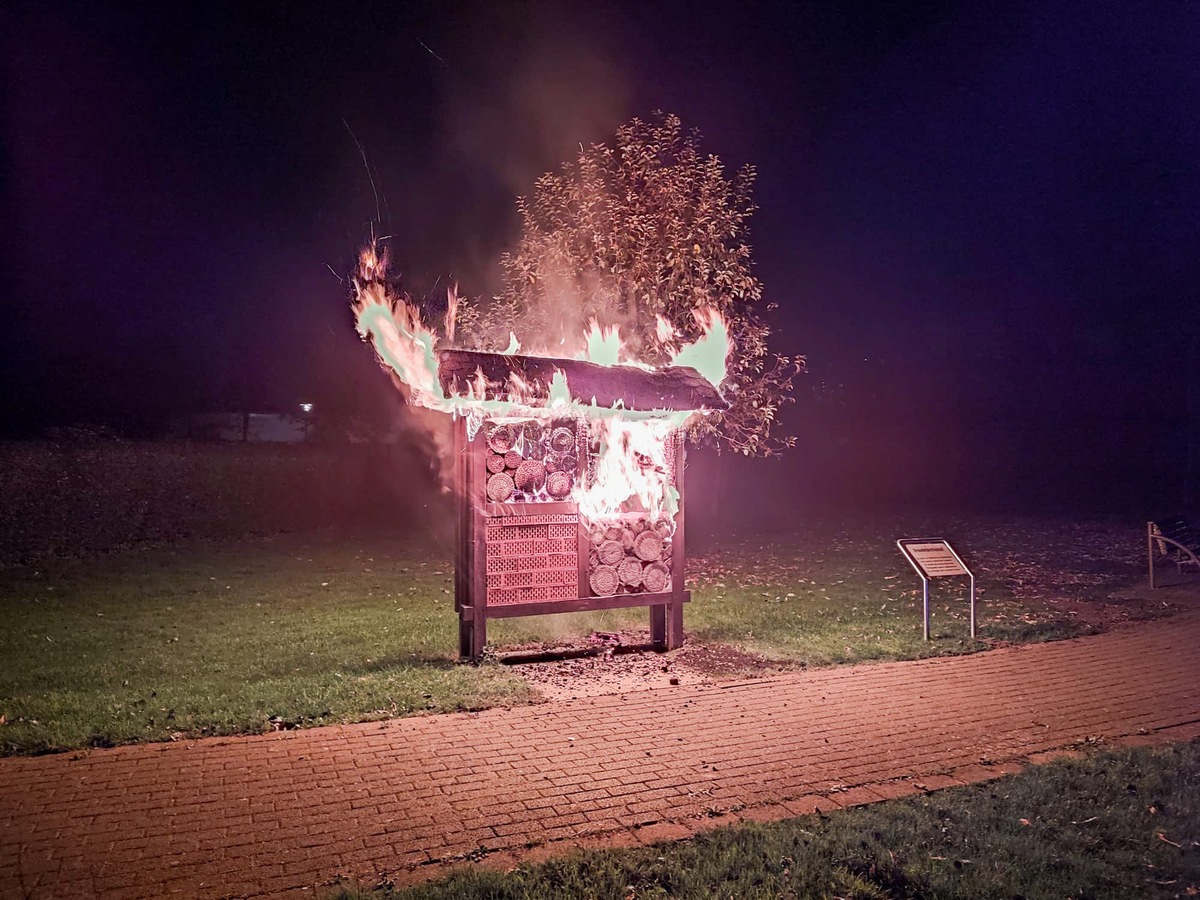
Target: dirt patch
[
  {"x": 624, "y": 662},
  {"x": 1133, "y": 603}
]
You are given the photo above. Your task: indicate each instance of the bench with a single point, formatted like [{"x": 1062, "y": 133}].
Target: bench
[{"x": 1174, "y": 539}]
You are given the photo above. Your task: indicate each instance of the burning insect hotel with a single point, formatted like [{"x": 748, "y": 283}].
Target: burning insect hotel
[{"x": 568, "y": 473}]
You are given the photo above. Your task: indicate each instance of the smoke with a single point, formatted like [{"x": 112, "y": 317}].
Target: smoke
[
  {"x": 558, "y": 318},
  {"x": 527, "y": 89},
  {"x": 521, "y": 90}
]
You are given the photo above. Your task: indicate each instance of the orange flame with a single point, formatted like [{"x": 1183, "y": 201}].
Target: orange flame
[
  {"x": 401, "y": 340},
  {"x": 631, "y": 472},
  {"x": 709, "y": 353},
  {"x": 603, "y": 345}
]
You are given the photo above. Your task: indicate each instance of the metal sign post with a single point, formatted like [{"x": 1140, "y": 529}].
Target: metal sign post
[{"x": 935, "y": 558}]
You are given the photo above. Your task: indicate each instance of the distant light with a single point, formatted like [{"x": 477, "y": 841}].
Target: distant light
[{"x": 307, "y": 407}]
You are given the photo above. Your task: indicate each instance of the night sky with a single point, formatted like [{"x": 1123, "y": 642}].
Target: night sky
[{"x": 980, "y": 220}]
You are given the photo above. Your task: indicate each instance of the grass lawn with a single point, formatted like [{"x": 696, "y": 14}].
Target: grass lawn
[
  {"x": 229, "y": 639},
  {"x": 1118, "y": 825},
  {"x": 293, "y": 631}
]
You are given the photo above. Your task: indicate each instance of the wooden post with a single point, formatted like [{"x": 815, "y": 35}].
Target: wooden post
[
  {"x": 674, "y": 611},
  {"x": 462, "y": 545},
  {"x": 470, "y": 559},
  {"x": 658, "y": 627},
  {"x": 1150, "y": 550},
  {"x": 477, "y": 542}
]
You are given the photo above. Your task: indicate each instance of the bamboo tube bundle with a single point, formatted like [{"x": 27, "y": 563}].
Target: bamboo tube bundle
[
  {"x": 512, "y": 459},
  {"x": 597, "y": 536},
  {"x": 593, "y": 560},
  {"x": 639, "y": 525},
  {"x": 648, "y": 546},
  {"x": 562, "y": 440},
  {"x": 500, "y": 487},
  {"x": 656, "y": 577},
  {"x": 627, "y": 538},
  {"x": 561, "y": 462},
  {"x": 611, "y": 553},
  {"x": 530, "y": 475},
  {"x": 665, "y": 527},
  {"x": 495, "y": 463},
  {"x": 604, "y": 581},
  {"x": 501, "y": 439},
  {"x": 630, "y": 572},
  {"x": 612, "y": 533},
  {"x": 532, "y": 431},
  {"x": 558, "y": 485}
]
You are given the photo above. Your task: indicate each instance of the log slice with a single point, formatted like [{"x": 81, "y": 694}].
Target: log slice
[
  {"x": 500, "y": 487},
  {"x": 655, "y": 577},
  {"x": 611, "y": 552},
  {"x": 604, "y": 581},
  {"x": 630, "y": 572},
  {"x": 648, "y": 546}
]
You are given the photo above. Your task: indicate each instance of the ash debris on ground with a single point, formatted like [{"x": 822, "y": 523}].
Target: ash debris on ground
[{"x": 625, "y": 662}]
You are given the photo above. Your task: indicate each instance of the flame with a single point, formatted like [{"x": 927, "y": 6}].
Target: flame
[
  {"x": 665, "y": 331},
  {"x": 708, "y": 353},
  {"x": 603, "y": 344},
  {"x": 560, "y": 393},
  {"x": 632, "y": 470},
  {"x": 401, "y": 341},
  {"x": 451, "y": 311}
]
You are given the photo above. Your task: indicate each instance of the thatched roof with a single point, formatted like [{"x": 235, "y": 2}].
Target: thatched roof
[{"x": 676, "y": 387}]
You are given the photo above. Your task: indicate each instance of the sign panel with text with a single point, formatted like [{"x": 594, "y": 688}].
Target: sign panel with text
[{"x": 935, "y": 558}]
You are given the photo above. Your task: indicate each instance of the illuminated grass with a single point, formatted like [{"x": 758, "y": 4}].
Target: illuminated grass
[
  {"x": 1118, "y": 825},
  {"x": 845, "y": 605},
  {"x": 219, "y": 639},
  {"x": 226, "y": 640}
]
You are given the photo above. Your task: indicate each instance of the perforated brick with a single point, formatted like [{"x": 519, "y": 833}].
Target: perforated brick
[
  {"x": 500, "y": 563},
  {"x": 532, "y": 558}
]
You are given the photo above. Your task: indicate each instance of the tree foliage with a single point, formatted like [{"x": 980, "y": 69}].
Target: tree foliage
[{"x": 643, "y": 227}]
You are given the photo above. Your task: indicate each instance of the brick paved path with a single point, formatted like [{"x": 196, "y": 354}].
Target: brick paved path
[{"x": 279, "y": 813}]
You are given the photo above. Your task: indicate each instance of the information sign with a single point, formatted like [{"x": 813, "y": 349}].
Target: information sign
[{"x": 935, "y": 558}]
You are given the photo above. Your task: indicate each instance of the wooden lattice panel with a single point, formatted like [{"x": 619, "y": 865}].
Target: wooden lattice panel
[{"x": 532, "y": 558}]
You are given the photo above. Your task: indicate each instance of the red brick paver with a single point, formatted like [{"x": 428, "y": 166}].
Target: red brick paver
[{"x": 272, "y": 815}]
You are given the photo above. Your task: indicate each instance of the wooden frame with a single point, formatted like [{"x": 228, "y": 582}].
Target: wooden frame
[{"x": 473, "y": 511}]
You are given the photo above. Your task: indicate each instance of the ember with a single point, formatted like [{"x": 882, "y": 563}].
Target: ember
[{"x": 568, "y": 472}]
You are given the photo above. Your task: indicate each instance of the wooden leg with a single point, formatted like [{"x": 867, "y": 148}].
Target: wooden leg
[
  {"x": 478, "y": 633},
  {"x": 472, "y": 633},
  {"x": 658, "y": 627},
  {"x": 675, "y": 624},
  {"x": 464, "y": 633}
]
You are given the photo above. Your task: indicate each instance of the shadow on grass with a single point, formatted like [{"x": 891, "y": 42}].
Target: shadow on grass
[
  {"x": 563, "y": 654},
  {"x": 432, "y": 661}
]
